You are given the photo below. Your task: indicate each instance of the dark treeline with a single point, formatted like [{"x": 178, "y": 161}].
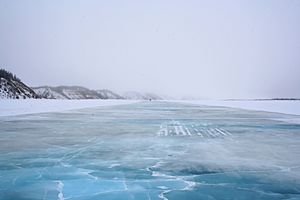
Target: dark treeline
[{"x": 8, "y": 75}]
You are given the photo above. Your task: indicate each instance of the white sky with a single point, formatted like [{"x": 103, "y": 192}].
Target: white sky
[{"x": 218, "y": 49}]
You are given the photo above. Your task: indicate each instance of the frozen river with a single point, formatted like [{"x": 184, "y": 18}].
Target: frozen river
[{"x": 150, "y": 150}]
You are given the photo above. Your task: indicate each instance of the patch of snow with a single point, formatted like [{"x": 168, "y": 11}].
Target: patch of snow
[{"x": 9, "y": 107}]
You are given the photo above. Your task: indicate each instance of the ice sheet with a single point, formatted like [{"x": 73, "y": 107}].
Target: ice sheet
[{"x": 150, "y": 150}]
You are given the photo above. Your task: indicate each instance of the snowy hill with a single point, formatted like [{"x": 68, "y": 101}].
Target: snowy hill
[
  {"x": 141, "y": 96},
  {"x": 12, "y": 87},
  {"x": 74, "y": 92},
  {"x": 108, "y": 94},
  {"x": 77, "y": 92}
]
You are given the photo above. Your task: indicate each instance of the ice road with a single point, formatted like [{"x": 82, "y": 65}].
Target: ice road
[{"x": 150, "y": 150}]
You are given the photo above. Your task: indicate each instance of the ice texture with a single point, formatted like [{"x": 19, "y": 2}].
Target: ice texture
[{"x": 150, "y": 150}]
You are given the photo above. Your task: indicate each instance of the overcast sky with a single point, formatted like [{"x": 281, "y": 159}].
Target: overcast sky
[{"x": 217, "y": 49}]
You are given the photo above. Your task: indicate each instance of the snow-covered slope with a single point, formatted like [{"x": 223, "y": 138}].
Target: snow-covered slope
[
  {"x": 67, "y": 92},
  {"x": 141, "y": 96},
  {"x": 107, "y": 94},
  {"x": 76, "y": 92},
  {"x": 13, "y": 88},
  {"x": 48, "y": 93}
]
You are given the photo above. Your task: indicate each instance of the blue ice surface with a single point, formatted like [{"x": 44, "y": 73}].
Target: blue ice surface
[{"x": 150, "y": 150}]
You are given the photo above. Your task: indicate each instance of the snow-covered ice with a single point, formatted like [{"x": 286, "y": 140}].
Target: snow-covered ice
[
  {"x": 281, "y": 106},
  {"x": 30, "y": 106},
  {"x": 150, "y": 150}
]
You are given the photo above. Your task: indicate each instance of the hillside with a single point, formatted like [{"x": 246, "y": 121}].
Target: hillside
[
  {"x": 74, "y": 92},
  {"x": 141, "y": 96},
  {"x": 12, "y": 87},
  {"x": 77, "y": 92}
]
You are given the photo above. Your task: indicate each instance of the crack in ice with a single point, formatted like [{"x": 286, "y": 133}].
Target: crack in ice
[{"x": 59, "y": 188}]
